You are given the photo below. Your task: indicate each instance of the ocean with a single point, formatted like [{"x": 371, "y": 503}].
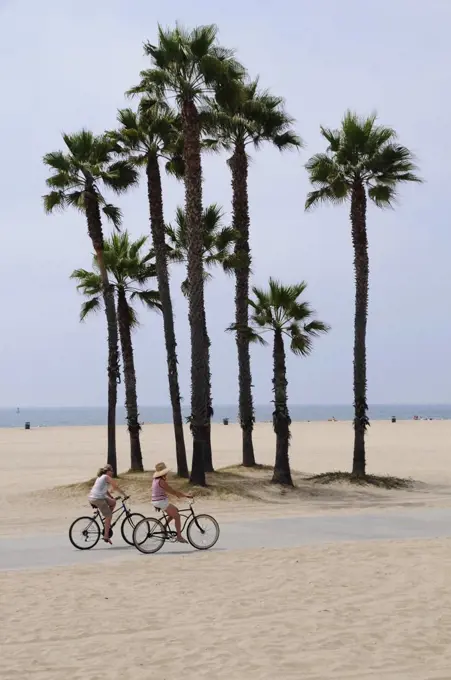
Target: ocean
[{"x": 46, "y": 417}]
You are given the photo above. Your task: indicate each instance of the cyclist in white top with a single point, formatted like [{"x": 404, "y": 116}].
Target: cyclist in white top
[{"x": 101, "y": 498}]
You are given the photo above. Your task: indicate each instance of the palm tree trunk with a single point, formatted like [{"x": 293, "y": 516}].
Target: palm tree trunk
[
  {"x": 193, "y": 208},
  {"x": 361, "y": 267},
  {"x": 96, "y": 235},
  {"x": 155, "y": 196},
  {"x": 113, "y": 372},
  {"x": 131, "y": 400},
  {"x": 281, "y": 417},
  {"x": 208, "y": 454},
  {"x": 239, "y": 167}
]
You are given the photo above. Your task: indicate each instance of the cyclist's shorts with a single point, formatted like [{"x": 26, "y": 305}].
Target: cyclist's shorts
[
  {"x": 161, "y": 505},
  {"x": 103, "y": 506}
]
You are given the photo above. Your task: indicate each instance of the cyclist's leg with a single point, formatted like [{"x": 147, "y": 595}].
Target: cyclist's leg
[
  {"x": 174, "y": 514},
  {"x": 111, "y": 503},
  {"x": 106, "y": 507}
]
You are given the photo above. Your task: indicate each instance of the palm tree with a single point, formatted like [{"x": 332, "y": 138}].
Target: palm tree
[
  {"x": 145, "y": 137},
  {"x": 76, "y": 180},
  {"x": 130, "y": 272},
  {"x": 190, "y": 66},
  {"x": 218, "y": 243},
  {"x": 363, "y": 160},
  {"x": 278, "y": 310},
  {"x": 255, "y": 117}
]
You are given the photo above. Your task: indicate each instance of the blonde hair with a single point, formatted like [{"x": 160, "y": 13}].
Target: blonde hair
[{"x": 103, "y": 470}]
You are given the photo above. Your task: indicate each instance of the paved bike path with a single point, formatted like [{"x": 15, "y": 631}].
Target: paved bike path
[{"x": 55, "y": 550}]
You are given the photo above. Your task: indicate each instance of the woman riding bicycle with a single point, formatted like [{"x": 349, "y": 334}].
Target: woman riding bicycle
[
  {"x": 101, "y": 498},
  {"x": 160, "y": 500}
]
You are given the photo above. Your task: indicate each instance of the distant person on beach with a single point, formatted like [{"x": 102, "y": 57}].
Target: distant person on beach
[
  {"x": 160, "y": 500},
  {"x": 101, "y": 498}
]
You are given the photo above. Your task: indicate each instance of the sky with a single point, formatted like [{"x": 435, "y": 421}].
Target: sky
[{"x": 65, "y": 65}]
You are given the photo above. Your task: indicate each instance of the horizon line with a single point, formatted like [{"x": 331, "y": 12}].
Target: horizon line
[{"x": 234, "y": 405}]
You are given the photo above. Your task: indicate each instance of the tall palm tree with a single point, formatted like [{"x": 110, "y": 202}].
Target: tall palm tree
[
  {"x": 363, "y": 160},
  {"x": 76, "y": 180},
  {"x": 254, "y": 118},
  {"x": 190, "y": 66},
  {"x": 145, "y": 138},
  {"x": 130, "y": 271},
  {"x": 278, "y": 310},
  {"x": 218, "y": 245}
]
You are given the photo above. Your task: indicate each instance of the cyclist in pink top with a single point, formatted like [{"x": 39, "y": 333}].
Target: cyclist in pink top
[{"x": 160, "y": 500}]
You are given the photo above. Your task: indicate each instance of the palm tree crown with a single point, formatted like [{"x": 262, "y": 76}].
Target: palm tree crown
[
  {"x": 153, "y": 131},
  {"x": 130, "y": 272},
  {"x": 278, "y": 309},
  {"x": 218, "y": 239},
  {"x": 189, "y": 65},
  {"x": 253, "y": 117},
  {"x": 88, "y": 163},
  {"x": 360, "y": 151}
]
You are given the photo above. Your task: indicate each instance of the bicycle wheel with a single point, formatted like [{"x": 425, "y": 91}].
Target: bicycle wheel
[
  {"x": 128, "y": 525},
  {"x": 149, "y": 535},
  {"x": 84, "y": 533},
  {"x": 203, "y": 532}
]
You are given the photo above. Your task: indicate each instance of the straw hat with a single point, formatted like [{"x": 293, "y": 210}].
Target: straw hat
[{"x": 160, "y": 470}]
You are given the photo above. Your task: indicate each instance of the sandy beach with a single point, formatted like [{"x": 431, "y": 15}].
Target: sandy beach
[
  {"x": 34, "y": 462},
  {"x": 378, "y": 609}
]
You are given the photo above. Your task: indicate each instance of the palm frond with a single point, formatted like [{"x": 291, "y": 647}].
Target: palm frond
[
  {"x": 382, "y": 195},
  {"x": 316, "y": 328},
  {"x": 251, "y": 334},
  {"x": 58, "y": 161},
  {"x": 149, "y": 298},
  {"x": 326, "y": 195},
  {"x": 113, "y": 214},
  {"x": 76, "y": 199},
  {"x": 55, "y": 200},
  {"x": 92, "y": 305},
  {"x": 120, "y": 176}
]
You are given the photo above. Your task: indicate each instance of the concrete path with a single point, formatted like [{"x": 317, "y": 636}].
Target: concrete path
[{"x": 52, "y": 551}]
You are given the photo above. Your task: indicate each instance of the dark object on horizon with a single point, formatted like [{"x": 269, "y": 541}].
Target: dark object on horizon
[
  {"x": 225, "y": 421},
  {"x": 27, "y": 425},
  {"x": 393, "y": 419}
]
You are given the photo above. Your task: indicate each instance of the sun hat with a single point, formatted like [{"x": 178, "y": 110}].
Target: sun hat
[{"x": 160, "y": 470}]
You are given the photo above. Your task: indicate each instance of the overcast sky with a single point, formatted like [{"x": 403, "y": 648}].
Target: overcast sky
[{"x": 64, "y": 65}]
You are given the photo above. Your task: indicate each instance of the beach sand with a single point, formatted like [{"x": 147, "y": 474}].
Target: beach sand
[{"x": 378, "y": 610}]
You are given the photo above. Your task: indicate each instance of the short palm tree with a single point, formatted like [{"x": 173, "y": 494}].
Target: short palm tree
[
  {"x": 129, "y": 273},
  {"x": 147, "y": 137},
  {"x": 363, "y": 161},
  {"x": 278, "y": 310},
  {"x": 190, "y": 66},
  {"x": 218, "y": 250},
  {"x": 249, "y": 120},
  {"x": 218, "y": 246},
  {"x": 78, "y": 175}
]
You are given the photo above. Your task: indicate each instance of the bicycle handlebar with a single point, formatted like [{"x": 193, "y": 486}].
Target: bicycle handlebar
[{"x": 122, "y": 498}]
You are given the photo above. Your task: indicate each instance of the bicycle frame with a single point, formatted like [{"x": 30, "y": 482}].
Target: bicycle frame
[
  {"x": 186, "y": 513},
  {"x": 121, "y": 510}
]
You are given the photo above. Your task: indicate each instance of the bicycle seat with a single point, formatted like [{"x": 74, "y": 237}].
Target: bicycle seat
[
  {"x": 93, "y": 506},
  {"x": 157, "y": 509}
]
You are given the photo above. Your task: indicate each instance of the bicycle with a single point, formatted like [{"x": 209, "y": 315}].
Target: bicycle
[
  {"x": 90, "y": 531},
  {"x": 150, "y": 533}
]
